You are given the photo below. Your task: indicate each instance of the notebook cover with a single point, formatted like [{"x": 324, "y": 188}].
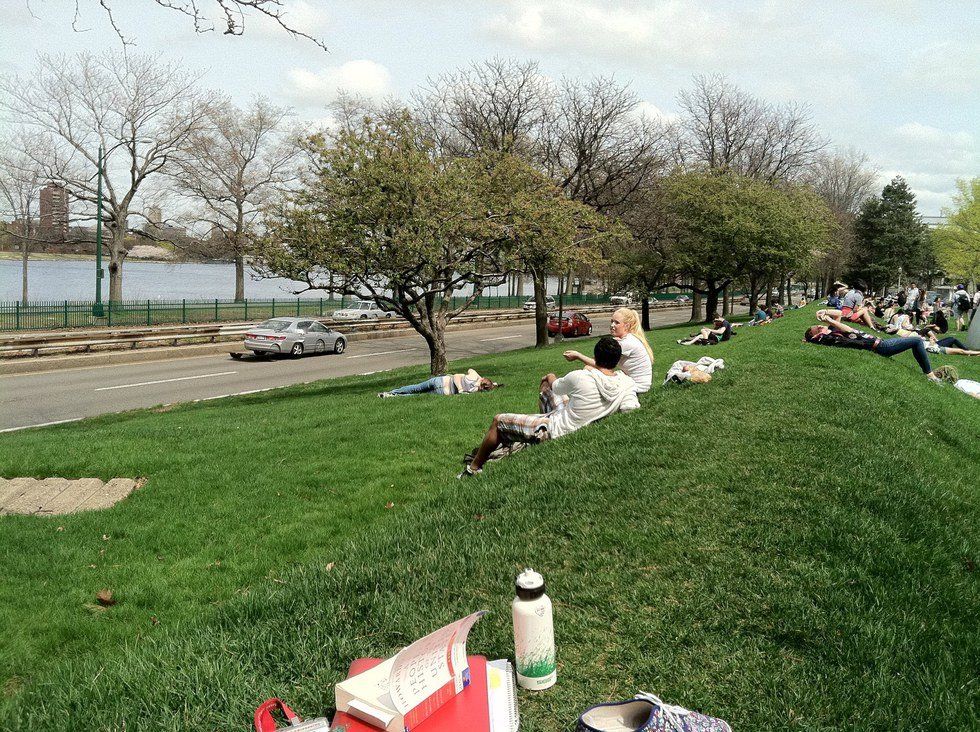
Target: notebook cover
[{"x": 469, "y": 710}]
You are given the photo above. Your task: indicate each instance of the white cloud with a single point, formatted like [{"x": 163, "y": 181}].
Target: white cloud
[
  {"x": 652, "y": 112},
  {"x": 316, "y": 88},
  {"x": 299, "y": 15}
]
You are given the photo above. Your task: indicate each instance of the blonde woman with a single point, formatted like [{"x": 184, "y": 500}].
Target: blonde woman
[{"x": 637, "y": 358}]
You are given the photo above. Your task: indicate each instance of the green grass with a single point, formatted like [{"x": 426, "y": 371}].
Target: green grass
[{"x": 792, "y": 546}]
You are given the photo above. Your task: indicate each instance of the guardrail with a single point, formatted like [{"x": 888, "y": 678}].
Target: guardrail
[{"x": 85, "y": 341}]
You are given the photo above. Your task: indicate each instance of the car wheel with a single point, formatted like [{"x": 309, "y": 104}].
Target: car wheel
[
  {"x": 364, "y": 317},
  {"x": 296, "y": 350},
  {"x": 339, "y": 345},
  {"x": 259, "y": 354},
  {"x": 589, "y": 331},
  {"x": 321, "y": 347},
  {"x": 388, "y": 315}
]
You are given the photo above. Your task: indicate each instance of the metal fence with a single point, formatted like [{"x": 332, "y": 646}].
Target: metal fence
[{"x": 79, "y": 314}]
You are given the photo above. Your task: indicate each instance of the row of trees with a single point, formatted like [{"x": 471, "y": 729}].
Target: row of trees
[{"x": 164, "y": 138}]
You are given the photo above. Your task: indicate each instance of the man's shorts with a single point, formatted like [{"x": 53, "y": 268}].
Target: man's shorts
[
  {"x": 850, "y": 314},
  {"x": 532, "y": 428}
]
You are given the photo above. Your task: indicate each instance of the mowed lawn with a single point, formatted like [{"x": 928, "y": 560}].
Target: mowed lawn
[{"x": 792, "y": 546}]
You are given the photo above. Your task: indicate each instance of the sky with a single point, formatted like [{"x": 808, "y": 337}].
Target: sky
[{"x": 896, "y": 79}]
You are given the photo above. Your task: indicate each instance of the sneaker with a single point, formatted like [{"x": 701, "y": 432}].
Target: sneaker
[
  {"x": 468, "y": 472},
  {"x": 385, "y": 394},
  {"x": 647, "y": 713}
]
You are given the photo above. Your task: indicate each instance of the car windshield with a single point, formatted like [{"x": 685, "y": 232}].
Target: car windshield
[
  {"x": 275, "y": 325},
  {"x": 362, "y": 306}
]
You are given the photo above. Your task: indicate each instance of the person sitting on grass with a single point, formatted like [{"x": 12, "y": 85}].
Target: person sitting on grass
[
  {"x": 448, "y": 385},
  {"x": 566, "y": 404},
  {"x": 721, "y": 330},
  {"x": 637, "y": 360},
  {"x": 949, "y": 375},
  {"x": 763, "y": 316},
  {"x": 853, "y": 309},
  {"x": 836, "y": 333},
  {"x": 837, "y": 291}
]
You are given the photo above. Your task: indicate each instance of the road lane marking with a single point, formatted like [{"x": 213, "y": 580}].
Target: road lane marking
[
  {"x": 501, "y": 338},
  {"x": 381, "y": 353},
  {"x": 42, "y": 424},
  {"x": 166, "y": 381}
]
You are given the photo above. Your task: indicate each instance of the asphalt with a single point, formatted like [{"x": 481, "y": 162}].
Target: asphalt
[{"x": 40, "y": 399}]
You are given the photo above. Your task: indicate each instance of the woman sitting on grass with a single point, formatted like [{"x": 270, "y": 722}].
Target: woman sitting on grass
[
  {"x": 446, "y": 385},
  {"x": 836, "y": 333},
  {"x": 637, "y": 359},
  {"x": 720, "y": 331}
]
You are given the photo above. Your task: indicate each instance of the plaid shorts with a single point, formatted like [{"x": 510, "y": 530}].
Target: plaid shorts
[{"x": 531, "y": 428}]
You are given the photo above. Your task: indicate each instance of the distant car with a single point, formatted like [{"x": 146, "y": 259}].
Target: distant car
[
  {"x": 549, "y": 302},
  {"x": 682, "y": 299},
  {"x": 572, "y": 325},
  {"x": 621, "y": 300},
  {"x": 362, "y": 310},
  {"x": 744, "y": 300},
  {"x": 293, "y": 336}
]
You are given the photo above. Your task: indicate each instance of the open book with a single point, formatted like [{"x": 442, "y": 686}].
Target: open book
[{"x": 402, "y": 691}]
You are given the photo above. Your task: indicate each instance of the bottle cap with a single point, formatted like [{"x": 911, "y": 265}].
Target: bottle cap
[{"x": 530, "y": 585}]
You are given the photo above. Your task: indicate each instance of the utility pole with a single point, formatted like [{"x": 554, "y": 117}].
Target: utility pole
[{"x": 97, "y": 310}]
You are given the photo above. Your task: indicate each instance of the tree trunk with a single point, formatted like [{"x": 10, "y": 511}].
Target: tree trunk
[
  {"x": 520, "y": 284},
  {"x": 117, "y": 253},
  {"x": 568, "y": 282},
  {"x": 646, "y": 313},
  {"x": 239, "y": 278},
  {"x": 711, "y": 304},
  {"x": 438, "y": 363},
  {"x": 726, "y": 301},
  {"x": 696, "y": 313},
  {"x": 782, "y": 290},
  {"x": 769, "y": 293},
  {"x": 753, "y": 294},
  {"x": 540, "y": 309}
]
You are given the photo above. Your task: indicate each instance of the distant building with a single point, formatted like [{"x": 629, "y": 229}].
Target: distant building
[
  {"x": 154, "y": 215},
  {"x": 54, "y": 213}
]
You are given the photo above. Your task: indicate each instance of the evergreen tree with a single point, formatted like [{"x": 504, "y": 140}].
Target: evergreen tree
[{"x": 890, "y": 237}]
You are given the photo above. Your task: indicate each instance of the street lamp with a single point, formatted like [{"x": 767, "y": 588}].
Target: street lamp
[{"x": 97, "y": 310}]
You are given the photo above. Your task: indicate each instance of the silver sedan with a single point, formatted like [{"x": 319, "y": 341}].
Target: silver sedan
[{"x": 294, "y": 336}]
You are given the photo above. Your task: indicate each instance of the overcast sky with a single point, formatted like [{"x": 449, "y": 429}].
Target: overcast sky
[{"x": 897, "y": 79}]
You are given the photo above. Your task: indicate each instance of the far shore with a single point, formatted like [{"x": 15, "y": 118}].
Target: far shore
[{"x": 49, "y": 257}]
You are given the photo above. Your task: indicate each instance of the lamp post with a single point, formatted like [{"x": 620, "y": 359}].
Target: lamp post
[{"x": 97, "y": 310}]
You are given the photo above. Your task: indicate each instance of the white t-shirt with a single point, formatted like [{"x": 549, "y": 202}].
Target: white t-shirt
[
  {"x": 635, "y": 362},
  {"x": 968, "y": 386},
  {"x": 591, "y": 395}
]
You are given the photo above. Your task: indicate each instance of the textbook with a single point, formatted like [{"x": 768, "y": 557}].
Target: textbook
[
  {"x": 399, "y": 693},
  {"x": 487, "y": 704}
]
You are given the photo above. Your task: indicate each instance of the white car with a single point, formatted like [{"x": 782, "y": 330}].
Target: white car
[
  {"x": 549, "y": 302},
  {"x": 363, "y": 310}
]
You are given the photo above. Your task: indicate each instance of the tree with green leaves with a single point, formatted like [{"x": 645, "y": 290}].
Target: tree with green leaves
[
  {"x": 957, "y": 242},
  {"x": 890, "y": 238}
]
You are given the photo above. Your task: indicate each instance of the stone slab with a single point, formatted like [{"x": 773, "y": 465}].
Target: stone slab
[{"x": 54, "y": 496}]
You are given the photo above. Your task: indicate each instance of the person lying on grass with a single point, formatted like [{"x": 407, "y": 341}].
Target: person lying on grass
[
  {"x": 836, "y": 333},
  {"x": 763, "y": 316},
  {"x": 721, "y": 330},
  {"x": 447, "y": 385},
  {"x": 637, "y": 360},
  {"x": 948, "y": 346},
  {"x": 949, "y": 375},
  {"x": 565, "y": 405}
]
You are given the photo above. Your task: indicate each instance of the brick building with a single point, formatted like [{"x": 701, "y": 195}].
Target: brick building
[{"x": 54, "y": 213}]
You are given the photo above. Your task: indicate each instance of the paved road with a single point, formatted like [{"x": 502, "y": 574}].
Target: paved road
[{"x": 29, "y": 400}]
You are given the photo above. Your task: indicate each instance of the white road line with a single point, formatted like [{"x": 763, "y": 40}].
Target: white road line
[
  {"x": 42, "y": 424},
  {"x": 165, "y": 381},
  {"x": 381, "y": 353},
  {"x": 501, "y": 338}
]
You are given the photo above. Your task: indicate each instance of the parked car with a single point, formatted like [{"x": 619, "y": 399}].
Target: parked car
[
  {"x": 621, "y": 300},
  {"x": 549, "y": 302},
  {"x": 294, "y": 336},
  {"x": 682, "y": 300},
  {"x": 572, "y": 325},
  {"x": 362, "y": 310},
  {"x": 744, "y": 300}
]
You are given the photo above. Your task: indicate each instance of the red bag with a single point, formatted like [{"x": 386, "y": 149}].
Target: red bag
[{"x": 265, "y": 722}]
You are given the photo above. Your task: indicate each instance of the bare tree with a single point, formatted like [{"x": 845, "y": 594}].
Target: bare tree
[
  {"x": 140, "y": 109},
  {"x": 230, "y": 169},
  {"x": 228, "y": 15},
  {"x": 725, "y": 128},
  {"x": 20, "y": 188}
]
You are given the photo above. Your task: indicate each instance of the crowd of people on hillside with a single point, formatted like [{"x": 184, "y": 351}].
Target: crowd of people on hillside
[{"x": 914, "y": 324}]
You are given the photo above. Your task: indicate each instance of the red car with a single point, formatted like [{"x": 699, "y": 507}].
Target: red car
[{"x": 573, "y": 324}]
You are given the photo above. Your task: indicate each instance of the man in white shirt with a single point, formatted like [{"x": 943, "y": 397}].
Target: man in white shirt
[{"x": 567, "y": 404}]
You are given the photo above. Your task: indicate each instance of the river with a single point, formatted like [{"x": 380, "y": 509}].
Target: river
[{"x": 65, "y": 279}]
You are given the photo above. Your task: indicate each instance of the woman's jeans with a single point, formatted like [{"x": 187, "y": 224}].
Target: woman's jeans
[
  {"x": 891, "y": 346},
  {"x": 429, "y": 385},
  {"x": 950, "y": 342}
]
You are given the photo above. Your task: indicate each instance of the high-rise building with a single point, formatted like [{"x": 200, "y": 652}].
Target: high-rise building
[{"x": 54, "y": 212}]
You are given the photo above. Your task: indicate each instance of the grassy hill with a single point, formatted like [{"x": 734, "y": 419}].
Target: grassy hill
[{"x": 792, "y": 546}]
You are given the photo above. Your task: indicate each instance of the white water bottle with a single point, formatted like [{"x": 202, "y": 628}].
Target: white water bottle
[{"x": 534, "y": 633}]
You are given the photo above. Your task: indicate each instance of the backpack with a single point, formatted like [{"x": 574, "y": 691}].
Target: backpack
[{"x": 963, "y": 301}]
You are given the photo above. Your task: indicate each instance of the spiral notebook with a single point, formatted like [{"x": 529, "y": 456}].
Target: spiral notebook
[{"x": 487, "y": 704}]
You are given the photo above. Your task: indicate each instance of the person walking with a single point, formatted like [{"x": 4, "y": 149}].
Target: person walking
[{"x": 913, "y": 305}]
